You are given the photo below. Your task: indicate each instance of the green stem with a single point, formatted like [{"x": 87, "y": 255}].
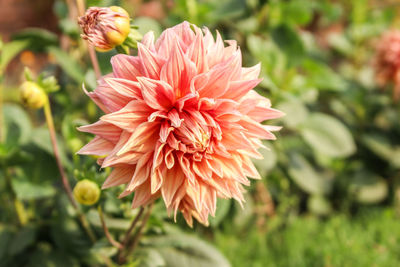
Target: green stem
[
  {"x": 2, "y": 126},
  {"x": 132, "y": 245},
  {"x": 105, "y": 229},
  {"x": 67, "y": 187},
  {"x": 128, "y": 235},
  {"x": 139, "y": 232}
]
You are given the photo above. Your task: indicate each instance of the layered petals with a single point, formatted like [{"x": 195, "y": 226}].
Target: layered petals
[{"x": 182, "y": 122}]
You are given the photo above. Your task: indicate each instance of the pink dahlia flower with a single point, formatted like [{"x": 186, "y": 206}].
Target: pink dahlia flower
[
  {"x": 387, "y": 61},
  {"x": 182, "y": 122}
]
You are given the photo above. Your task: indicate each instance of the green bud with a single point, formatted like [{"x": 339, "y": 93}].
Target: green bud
[
  {"x": 32, "y": 95},
  {"x": 87, "y": 192}
]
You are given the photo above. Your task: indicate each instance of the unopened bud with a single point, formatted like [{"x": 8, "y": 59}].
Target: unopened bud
[
  {"x": 86, "y": 192},
  {"x": 32, "y": 95},
  {"x": 105, "y": 27}
]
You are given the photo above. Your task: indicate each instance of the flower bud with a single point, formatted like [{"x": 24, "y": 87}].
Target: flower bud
[
  {"x": 32, "y": 95},
  {"x": 387, "y": 61},
  {"x": 105, "y": 27},
  {"x": 86, "y": 192}
]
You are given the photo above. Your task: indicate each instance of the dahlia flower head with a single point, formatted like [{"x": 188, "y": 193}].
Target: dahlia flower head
[
  {"x": 387, "y": 61},
  {"x": 105, "y": 27},
  {"x": 181, "y": 123}
]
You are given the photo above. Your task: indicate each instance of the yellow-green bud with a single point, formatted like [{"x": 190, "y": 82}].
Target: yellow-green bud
[
  {"x": 32, "y": 95},
  {"x": 86, "y": 192}
]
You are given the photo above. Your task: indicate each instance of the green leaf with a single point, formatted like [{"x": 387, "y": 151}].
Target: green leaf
[
  {"x": 328, "y": 136},
  {"x": 147, "y": 24},
  {"x": 10, "y": 50},
  {"x": 150, "y": 257},
  {"x": 289, "y": 42},
  {"x": 44, "y": 256},
  {"x": 41, "y": 138},
  {"x": 90, "y": 79},
  {"x": 306, "y": 177},
  {"x": 66, "y": 233},
  {"x": 69, "y": 27},
  {"x": 181, "y": 250},
  {"x": 103, "y": 249},
  {"x": 245, "y": 213},
  {"x": 297, "y": 12},
  {"x": 49, "y": 84},
  {"x": 296, "y": 112},
  {"x": 112, "y": 223},
  {"x": 223, "y": 206},
  {"x": 38, "y": 38},
  {"x": 319, "y": 205},
  {"x": 6, "y": 236},
  {"x": 266, "y": 52},
  {"x": 269, "y": 161},
  {"x": 382, "y": 147},
  {"x": 373, "y": 193},
  {"x": 18, "y": 127},
  {"x": 71, "y": 67},
  {"x": 24, "y": 238},
  {"x": 227, "y": 9},
  {"x": 341, "y": 43},
  {"x": 273, "y": 61},
  {"x": 368, "y": 188},
  {"x": 323, "y": 77},
  {"x": 27, "y": 190}
]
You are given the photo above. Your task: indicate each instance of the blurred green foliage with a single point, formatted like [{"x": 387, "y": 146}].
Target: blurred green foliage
[
  {"x": 337, "y": 156},
  {"x": 370, "y": 239}
]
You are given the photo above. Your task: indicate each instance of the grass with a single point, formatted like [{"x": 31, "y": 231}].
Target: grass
[{"x": 372, "y": 238}]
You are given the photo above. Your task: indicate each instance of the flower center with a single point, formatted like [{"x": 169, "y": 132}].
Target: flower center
[{"x": 192, "y": 137}]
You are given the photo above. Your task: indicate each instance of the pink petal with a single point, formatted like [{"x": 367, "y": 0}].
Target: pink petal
[
  {"x": 178, "y": 71},
  {"x": 174, "y": 178},
  {"x": 98, "y": 146},
  {"x": 157, "y": 94},
  {"x": 104, "y": 130},
  {"x": 127, "y": 67},
  {"x": 125, "y": 87},
  {"x": 151, "y": 61},
  {"x": 129, "y": 117},
  {"x": 120, "y": 175}
]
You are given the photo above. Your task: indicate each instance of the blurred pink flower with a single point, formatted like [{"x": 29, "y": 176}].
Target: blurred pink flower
[
  {"x": 105, "y": 27},
  {"x": 182, "y": 122},
  {"x": 387, "y": 61}
]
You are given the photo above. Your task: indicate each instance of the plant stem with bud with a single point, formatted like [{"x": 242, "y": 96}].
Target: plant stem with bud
[{"x": 67, "y": 187}]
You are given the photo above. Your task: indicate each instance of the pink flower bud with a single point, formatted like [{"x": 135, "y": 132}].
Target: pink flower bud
[
  {"x": 105, "y": 27},
  {"x": 387, "y": 61}
]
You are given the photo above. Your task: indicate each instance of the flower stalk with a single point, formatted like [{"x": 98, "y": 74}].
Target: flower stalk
[
  {"x": 128, "y": 233},
  {"x": 106, "y": 231},
  {"x": 139, "y": 232},
  {"x": 1, "y": 115},
  {"x": 67, "y": 187},
  {"x": 127, "y": 246},
  {"x": 92, "y": 53}
]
